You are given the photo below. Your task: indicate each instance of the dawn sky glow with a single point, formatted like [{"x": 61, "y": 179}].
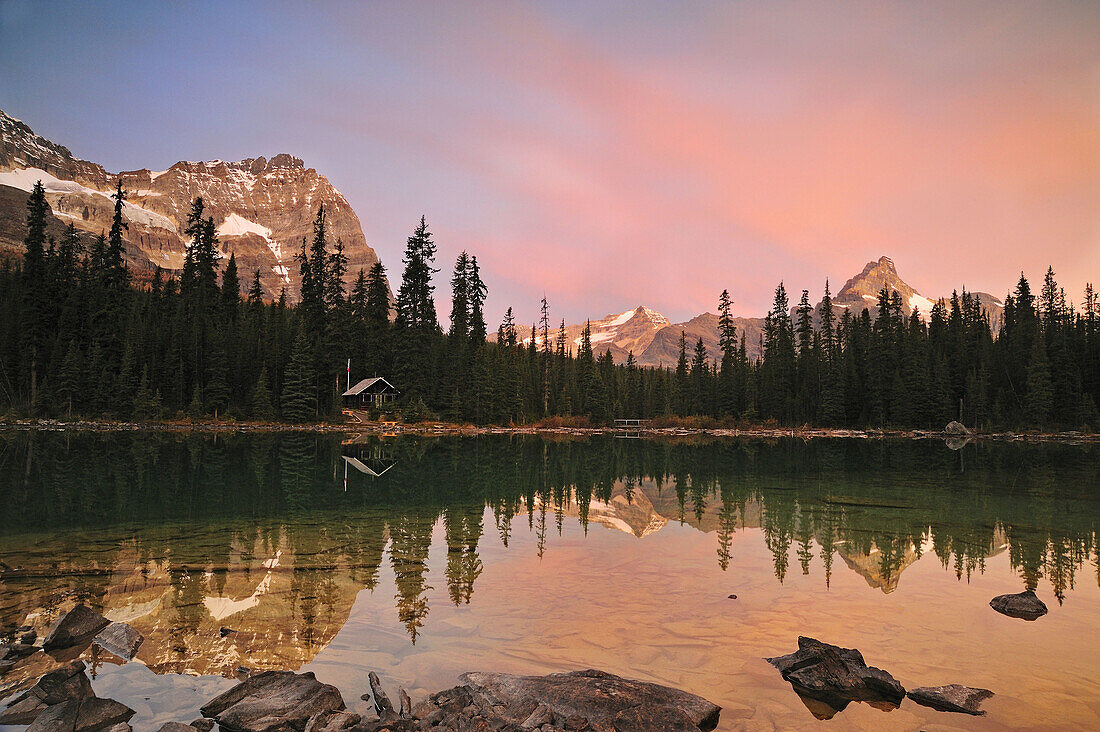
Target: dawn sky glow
[{"x": 610, "y": 155}]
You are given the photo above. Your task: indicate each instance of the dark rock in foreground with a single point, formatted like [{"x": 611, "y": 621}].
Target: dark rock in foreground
[
  {"x": 11, "y": 653},
  {"x": 63, "y": 684},
  {"x": 120, "y": 639},
  {"x": 951, "y": 698},
  {"x": 273, "y": 701},
  {"x": 581, "y": 700},
  {"x": 836, "y": 676},
  {"x": 77, "y": 626},
  {"x": 333, "y": 722},
  {"x": 83, "y": 715},
  {"x": 282, "y": 701},
  {"x": 1024, "y": 605}
]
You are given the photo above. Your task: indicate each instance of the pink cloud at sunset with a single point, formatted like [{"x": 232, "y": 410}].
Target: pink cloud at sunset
[{"x": 610, "y": 155}]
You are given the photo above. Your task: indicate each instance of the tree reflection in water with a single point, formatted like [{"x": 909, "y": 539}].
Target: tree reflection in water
[{"x": 203, "y": 525}]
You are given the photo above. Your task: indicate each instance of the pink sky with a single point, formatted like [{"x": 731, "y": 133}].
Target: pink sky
[{"x": 610, "y": 155}]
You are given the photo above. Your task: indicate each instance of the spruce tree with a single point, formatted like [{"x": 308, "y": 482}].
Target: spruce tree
[
  {"x": 70, "y": 376},
  {"x": 195, "y": 409},
  {"x": 415, "y": 305},
  {"x": 700, "y": 380},
  {"x": 36, "y": 315},
  {"x": 231, "y": 289},
  {"x": 1040, "y": 392},
  {"x": 460, "y": 299},
  {"x": 506, "y": 333},
  {"x": 683, "y": 390},
  {"x": 727, "y": 343},
  {"x": 256, "y": 290},
  {"x": 146, "y": 400},
  {"x": 299, "y": 398},
  {"x": 827, "y": 318},
  {"x": 118, "y": 274},
  {"x": 416, "y": 325},
  {"x": 778, "y": 365},
  {"x": 476, "y": 292},
  {"x": 261, "y": 404},
  {"x": 376, "y": 319}
]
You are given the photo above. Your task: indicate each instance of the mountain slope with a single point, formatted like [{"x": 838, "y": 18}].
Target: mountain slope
[
  {"x": 656, "y": 342},
  {"x": 263, "y": 208},
  {"x": 862, "y": 291}
]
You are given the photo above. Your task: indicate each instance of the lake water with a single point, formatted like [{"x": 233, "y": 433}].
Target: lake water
[{"x": 422, "y": 558}]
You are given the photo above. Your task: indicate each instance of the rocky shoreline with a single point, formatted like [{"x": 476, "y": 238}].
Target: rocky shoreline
[
  {"x": 826, "y": 678},
  {"x": 955, "y": 438},
  {"x": 62, "y": 700}
]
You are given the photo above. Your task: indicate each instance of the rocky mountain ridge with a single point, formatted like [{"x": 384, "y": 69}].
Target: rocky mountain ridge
[
  {"x": 655, "y": 340},
  {"x": 264, "y": 207}
]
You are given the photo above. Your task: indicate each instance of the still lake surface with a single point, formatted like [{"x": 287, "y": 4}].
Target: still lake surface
[{"x": 422, "y": 558}]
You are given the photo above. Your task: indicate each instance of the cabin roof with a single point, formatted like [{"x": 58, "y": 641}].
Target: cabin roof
[{"x": 373, "y": 384}]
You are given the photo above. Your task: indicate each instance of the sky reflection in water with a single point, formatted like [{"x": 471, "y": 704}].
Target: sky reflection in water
[{"x": 531, "y": 555}]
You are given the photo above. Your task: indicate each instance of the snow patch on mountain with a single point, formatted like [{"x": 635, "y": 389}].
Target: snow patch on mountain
[
  {"x": 25, "y": 178},
  {"x": 608, "y": 328},
  {"x": 237, "y": 225},
  {"x": 921, "y": 303},
  {"x": 622, "y": 318}
]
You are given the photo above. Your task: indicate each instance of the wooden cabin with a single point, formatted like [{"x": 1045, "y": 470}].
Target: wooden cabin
[{"x": 368, "y": 393}]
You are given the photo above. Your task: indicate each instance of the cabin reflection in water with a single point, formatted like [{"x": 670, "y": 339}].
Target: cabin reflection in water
[
  {"x": 371, "y": 458},
  {"x": 370, "y": 461}
]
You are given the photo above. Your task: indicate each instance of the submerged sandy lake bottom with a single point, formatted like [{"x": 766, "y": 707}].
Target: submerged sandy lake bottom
[{"x": 424, "y": 558}]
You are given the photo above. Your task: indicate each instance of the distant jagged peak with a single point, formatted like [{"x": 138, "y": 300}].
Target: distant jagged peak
[
  {"x": 637, "y": 315},
  {"x": 641, "y": 312},
  {"x": 255, "y": 166},
  {"x": 875, "y": 276}
]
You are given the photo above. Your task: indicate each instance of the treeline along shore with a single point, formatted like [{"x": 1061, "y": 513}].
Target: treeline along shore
[{"x": 80, "y": 338}]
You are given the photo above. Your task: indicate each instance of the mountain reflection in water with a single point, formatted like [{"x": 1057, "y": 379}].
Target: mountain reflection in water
[{"x": 252, "y": 549}]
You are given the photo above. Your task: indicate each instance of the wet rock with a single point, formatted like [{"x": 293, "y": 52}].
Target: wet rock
[
  {"x": 120, "y": 639},
  {"x": 382, "y": 703},
  {"x": 9, "y": 654},
  {"x": 836, "y": 676},
  {"x": 956, "y": 428},
  {"x": 60, "y": 685},
  {"x": 956, "y": 443},
  {"x": 202, "y": 724},
  {"x": 332, "y": 722},
  {"x": 1024, "y": 605},
  {"x": 273, "y": 700},
  {"x": 579, "y": 700},
  {"x": 541, "y": 716},
  {"x": 951, "y": 698},
  {"x": 77, "y": 626},
  {"x": 83, "y": 715}
]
